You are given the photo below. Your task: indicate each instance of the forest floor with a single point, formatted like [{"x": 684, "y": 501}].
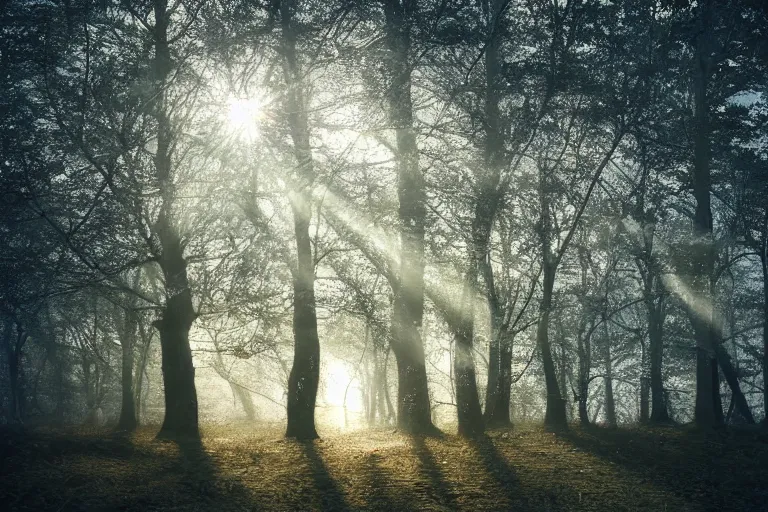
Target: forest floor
[{"x": 251, "y": 467}]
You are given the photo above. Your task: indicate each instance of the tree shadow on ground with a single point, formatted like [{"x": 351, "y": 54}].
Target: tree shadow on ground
[
  {"x": 499, "y": 469},
  {"x": 202, "y": 482},
  {"x": 50, "y": 446},
  {"x": 436, "y": 485},
  {"x": 116, "y": 472},
  {"x": 380, "y": 488},
  {"x": 330, "y": 494},
  {"x": 713, "y": 470}
]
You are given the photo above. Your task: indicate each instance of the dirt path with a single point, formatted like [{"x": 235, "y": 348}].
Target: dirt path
[{"x": 250, "y": 467}]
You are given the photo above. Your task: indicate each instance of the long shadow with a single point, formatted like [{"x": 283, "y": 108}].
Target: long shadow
[
  {"x": 379, "y": 486},
  {"x": 331, "y": 495},
  {"x": 191, "y": 470},
  {"x": 198, "y": 468},
  {"x": 709, "y": 469},
  {"x": 204, "y": 482},
  {"x": 499, "y": 469},
  {"x": 442, "y": 490},
  {"x": 48, "y": 446}
]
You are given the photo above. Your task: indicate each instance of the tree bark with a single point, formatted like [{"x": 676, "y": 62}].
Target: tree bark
[
  {"x": 584, "y": 348},
  {"x": 468, "y": 409},
  {"x": 659, "y": 412},
  {"x": 413, "y": 405},
  {"x": 181, "y": 414},
  {"x": 497, "y": 412},
  {"x": 373, "y": 384},
  {"x": 585, "y": 364},
  {"x": 128, "y": 420},
  {"x": 15, "y": 372},
  {"x": 304, "y": 377},
  {"x": 245, "y": 399},
  {"x": 718, "y": 399},
  {"x": 494, "y": 373},
  {"x": 703, "y": 256},
  {"x": 645, "y": 395},
  {"x": 178, "y": 314},
  {"x": 555, "y": 416},
  {"x": 377, "y": 396},
  {"x": 764, "y": 262},
  {"x": 146, "y": 337},
  {"x": 390, "y": 413},
  {"x": 723, "y": 360},
  {"x": 610, "y": 403},
  {"x": 58, "y": 363},
  {"x": 240, "y": 393},
  {"x": 486, "y": 206}
]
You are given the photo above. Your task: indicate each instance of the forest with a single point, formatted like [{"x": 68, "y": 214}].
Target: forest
[{"x": 384, "y": 254}]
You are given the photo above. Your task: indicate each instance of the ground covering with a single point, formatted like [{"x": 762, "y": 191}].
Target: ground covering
[{"x": 251, "y": 467}]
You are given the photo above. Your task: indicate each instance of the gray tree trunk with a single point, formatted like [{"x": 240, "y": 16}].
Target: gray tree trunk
[
  {"x": 703, "y": 256},
  {"x": 128, "y": 420},
  {"x": 304, "y": 377},
  {"x": 413, "y": 405},
  {"x": 178, "y": 314}
]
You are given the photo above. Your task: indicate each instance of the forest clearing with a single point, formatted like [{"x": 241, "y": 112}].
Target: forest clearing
[{"x": 245, "y": 466}]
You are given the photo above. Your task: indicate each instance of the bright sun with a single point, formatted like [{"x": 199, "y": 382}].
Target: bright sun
[{"x": 243, "y": 116}]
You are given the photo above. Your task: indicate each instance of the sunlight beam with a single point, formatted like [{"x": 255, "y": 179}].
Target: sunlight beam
[{"x": 701, "y": 307}]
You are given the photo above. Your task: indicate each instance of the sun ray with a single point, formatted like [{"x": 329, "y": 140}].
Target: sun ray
[{"x": 700, "y": 306}]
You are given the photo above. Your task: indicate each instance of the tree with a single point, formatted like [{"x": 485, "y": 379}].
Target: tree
[
  {"x": 305, "y": 373},
  {"x": 413, "y": 408}
]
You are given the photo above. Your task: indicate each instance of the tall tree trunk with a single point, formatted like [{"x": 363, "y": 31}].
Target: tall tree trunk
[
  {"x": 470, "y": 415},
  {"x": 245, "y": 399},
  {"x": 305, "y": 373},
  {"x": 58, "y": 363},
  {"x": 494, "y": 372},
  {"x": 413, "y": 405},
  {"x": 181, "y": 414},
  {"x": 584, "y": 349},
  {"x": 391, "y": 413},
  {"x": 128, "y": 420},
  {"x": 645, "y": 383},
  {"x": 585, "y": 363},
  {"x": 654, "y": 300},
  {"x": 378, "y": 406},
  {"x": 90, "y": 400},
  {"x": 764, "y": 261},
  {"x": 239, "y": 393},
  {"x": 659, "y": 412},
  {"x": 138, "y": 388},
  {"x": 724, "y": 362},
  {"x": 645, "y": 395},
  {"x": 499, "y": 383},
  {"x": 15, "y": 374},
  {"x": 718, "y": 399},
  {"x": 555, "y": 416},
  {"x": 563, "y": 369},
  {"x": 373, "y": 382},
  {"x": 178, "y": 314},
  {"x": 610, "y": 403},
  {"x": 498, "y": 412},
  {"x": 703, "y": 255},
  {"x": 486, "y": 205},
  {"x": 384, "y": 404},
  {"x": 304, "y": 378}
]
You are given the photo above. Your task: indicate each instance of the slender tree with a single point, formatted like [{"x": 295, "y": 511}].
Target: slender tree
[{"x": 413, "y": 406}]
